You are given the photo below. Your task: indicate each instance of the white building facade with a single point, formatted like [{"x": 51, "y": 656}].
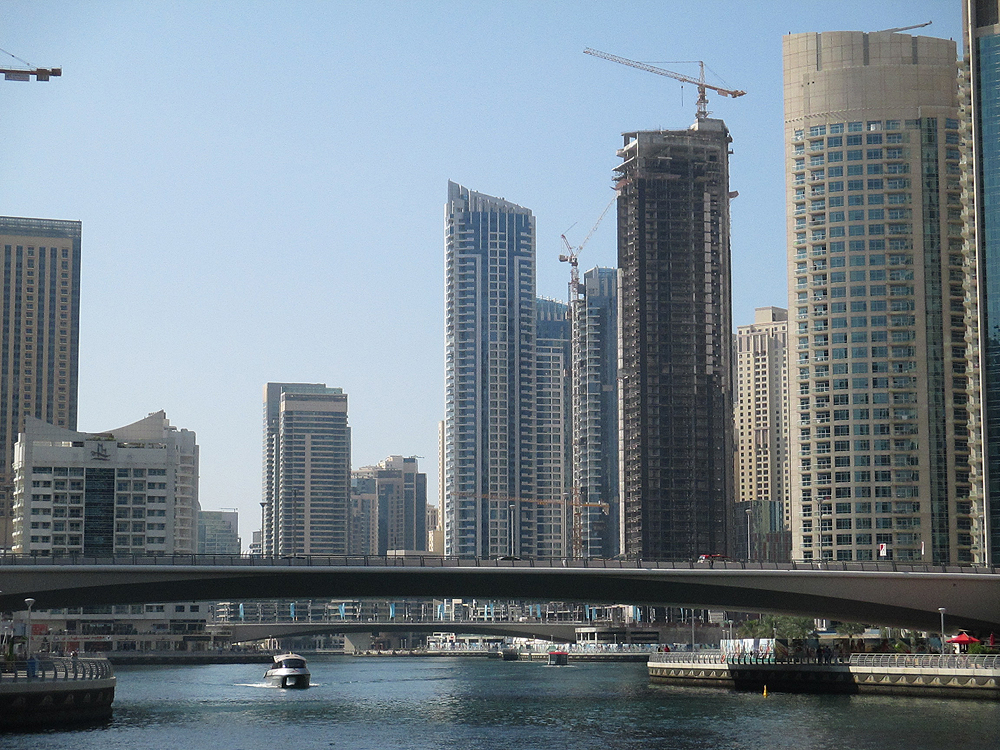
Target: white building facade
[
  {"x": 307, "y": 470},
  {"x": 133, "y": 490}
]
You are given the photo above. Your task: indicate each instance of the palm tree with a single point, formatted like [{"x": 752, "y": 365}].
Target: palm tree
[
  {"x": 850, "y": 629},
  {"x": 780, "y": 626}
]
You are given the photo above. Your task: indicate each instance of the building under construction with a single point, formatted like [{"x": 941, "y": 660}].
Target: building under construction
[{"x": 676, "y": 341}]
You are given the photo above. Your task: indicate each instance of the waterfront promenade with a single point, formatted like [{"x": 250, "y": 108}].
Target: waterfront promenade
[
  {"x": 45, "y": 691},
  {"x": 938, "y": 675}
]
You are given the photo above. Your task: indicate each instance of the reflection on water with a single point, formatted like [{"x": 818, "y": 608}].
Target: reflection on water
[{"x": 437, "y": 703}]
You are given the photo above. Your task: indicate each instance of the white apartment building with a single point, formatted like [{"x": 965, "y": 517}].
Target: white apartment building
[
  {"x": 132, "y": 490},
  {"x": 307, "y": 470}
]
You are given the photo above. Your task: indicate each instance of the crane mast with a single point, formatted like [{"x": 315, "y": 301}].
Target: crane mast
[{"x": 699, "y": 82}]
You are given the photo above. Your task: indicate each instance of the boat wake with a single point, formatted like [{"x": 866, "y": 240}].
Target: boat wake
[{"x": 269, "y": 686}]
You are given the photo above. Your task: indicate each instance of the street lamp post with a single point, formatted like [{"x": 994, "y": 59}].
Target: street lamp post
[
  {"x": 749, "y": 518},
  {"x": 262, "y": 525},
  {"x": 510, "y": 529},
  {"x": 942, "y": 610},
  {"x": 31, "y": 603}
]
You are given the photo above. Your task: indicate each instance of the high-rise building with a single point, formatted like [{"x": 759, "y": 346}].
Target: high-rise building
[
  {"x": 218, "y": 532},
  {"x": 256, "y": 544},
  {"x": 879, "y": 370},
  {"x": 982, "y": 221},
  {"x": 364, "y": 512},
  {"x": 489, "y": 443},
  {"x": 553, "y": 457},
  {"x": 594, "y": 377},
  {"x": 133, "y": 490},
  {"x": 402, "y": 505},
  {"x": 307, "y": 470},
  {"x": 435, "y": 542},
  {"x": 761, "y": 407},
  {"x": 676, "y": 341},
  {"x": 40, "y": 317}
]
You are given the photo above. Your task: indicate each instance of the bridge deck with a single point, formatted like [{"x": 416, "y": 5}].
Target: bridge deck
[{"x": 880, "y": 593}]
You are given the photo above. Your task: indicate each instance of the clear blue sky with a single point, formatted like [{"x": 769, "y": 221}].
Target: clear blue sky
[{"x": 261, "y": 184}]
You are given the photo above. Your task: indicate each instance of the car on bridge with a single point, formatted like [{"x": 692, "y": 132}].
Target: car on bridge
[{"x": 713, "y": 558}]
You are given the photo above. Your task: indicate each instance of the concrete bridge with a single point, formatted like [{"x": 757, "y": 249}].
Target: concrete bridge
[{"x": 891, "y": 594}]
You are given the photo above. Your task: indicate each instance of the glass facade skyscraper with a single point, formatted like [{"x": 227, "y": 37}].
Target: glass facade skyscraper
[
  {"x": 595, "y": 415},
  {"x": 982, "y": 41},
  {"x": 490, "y": 367},
  {"x": 552, "y": 420}
]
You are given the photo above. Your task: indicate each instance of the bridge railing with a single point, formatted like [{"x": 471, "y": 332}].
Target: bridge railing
[
  {"x": 45, "y": 668},
  {"x": 927, "y": 661},
  {"x": 437, "y": 561}
]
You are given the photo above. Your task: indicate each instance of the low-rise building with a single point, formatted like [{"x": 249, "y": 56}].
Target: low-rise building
[{"x": 133, "y": 490}]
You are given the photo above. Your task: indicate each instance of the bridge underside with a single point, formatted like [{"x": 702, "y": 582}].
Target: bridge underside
[
  {"x": 901, "y": 599},
  {"x": 256, "y": 631}
]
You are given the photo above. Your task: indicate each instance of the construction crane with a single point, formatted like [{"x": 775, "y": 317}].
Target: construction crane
[
  {"x": 21, "y": 74},
  {"x": 24, "y": 74},
  {"x": 905, "y": 28},
  {"x": 702, "y": 112},
  {"x": 573, "y": 253}
]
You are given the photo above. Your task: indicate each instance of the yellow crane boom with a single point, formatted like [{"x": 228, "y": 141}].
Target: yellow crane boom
[{"x": 699, "y": 82}]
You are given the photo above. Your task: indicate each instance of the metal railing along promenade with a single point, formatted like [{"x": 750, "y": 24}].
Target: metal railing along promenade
[
  {"x": 688, "y": 657},
  {"x": 436, "y": 561},
  {"x": 927, "y": 661},
  {"x": 875, "y": 661},
  {"x": 55, "y": 669}
]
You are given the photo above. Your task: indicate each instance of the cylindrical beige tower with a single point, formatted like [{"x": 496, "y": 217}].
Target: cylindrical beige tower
[{"x": 877, "y": 360}]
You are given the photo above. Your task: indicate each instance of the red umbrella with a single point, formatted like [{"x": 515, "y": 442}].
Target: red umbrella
[
  {"x": 993, "y": 639},
  {"x": 963, "y": 639}
]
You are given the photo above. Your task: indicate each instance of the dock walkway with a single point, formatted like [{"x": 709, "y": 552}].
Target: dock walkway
[
  {"x": 939, "y": 675},
  {"x": 50, "y": 690}
]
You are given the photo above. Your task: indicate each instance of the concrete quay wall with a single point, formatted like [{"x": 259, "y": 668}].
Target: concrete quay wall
[
  {"x": 918, "y": 675},
  {"x": 55, "y": 691}
]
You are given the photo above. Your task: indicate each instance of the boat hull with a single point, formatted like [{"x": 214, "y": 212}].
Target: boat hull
[{"x": 281, "y": 678}]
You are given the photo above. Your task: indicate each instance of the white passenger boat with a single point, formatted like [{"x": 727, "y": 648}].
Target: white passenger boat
[{"x": 288, "y": 671}]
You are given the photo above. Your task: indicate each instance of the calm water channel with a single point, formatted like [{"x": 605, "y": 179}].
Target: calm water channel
[{"x": 387, "y": 703}]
